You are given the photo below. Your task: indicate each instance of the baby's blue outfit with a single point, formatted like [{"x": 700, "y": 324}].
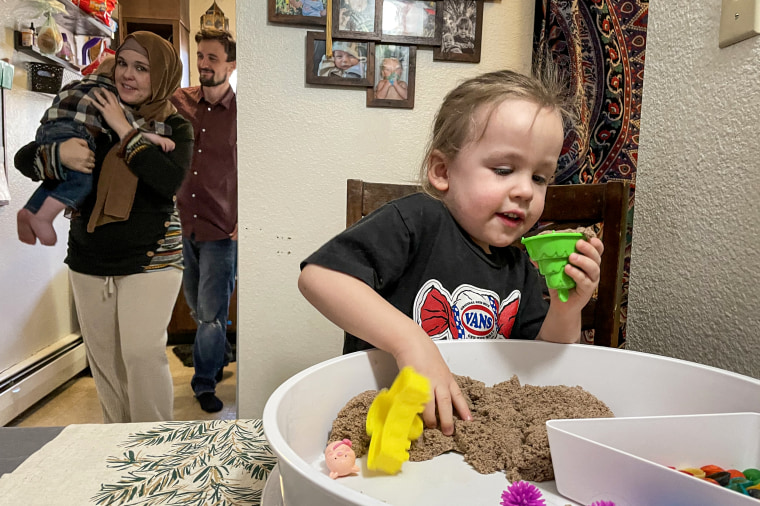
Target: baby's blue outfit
[
  {"x": 77, "y": 185},
  {"x": 312, "y": 7}
]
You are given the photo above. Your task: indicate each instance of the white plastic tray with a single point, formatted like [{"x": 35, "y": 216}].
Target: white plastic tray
[{"x": 625, "y": 460}]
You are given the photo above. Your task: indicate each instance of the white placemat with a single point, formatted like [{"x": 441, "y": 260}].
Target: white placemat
[{"x": 221, "y": 462}]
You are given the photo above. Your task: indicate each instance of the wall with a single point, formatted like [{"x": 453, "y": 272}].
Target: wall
[
  {"x": 35, "y": 301},
  {"x": 297, "y": 146},
  {"x": 694, "y": 278}
]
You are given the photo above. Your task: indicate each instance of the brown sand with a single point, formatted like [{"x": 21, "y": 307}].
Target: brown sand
[
  {"x": 507, "y": 433},
  {"x": 589, "y": 232}
]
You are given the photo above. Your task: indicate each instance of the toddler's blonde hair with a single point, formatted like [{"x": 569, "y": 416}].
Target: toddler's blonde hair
[{"x": 456, "y": 122}]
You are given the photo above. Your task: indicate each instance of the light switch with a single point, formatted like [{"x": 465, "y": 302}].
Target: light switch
[{"x": 739, "y": 20}]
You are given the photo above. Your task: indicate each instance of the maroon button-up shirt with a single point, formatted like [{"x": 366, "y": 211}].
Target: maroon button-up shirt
[{"x": 207, "y": 200}]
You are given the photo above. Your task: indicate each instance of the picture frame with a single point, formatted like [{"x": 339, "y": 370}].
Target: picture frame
[
  {"x": 414, "y": 22},
  {"x": 291, "y": 12},
  {"x": 356, "y": 19},
  {"x": 386, "y": 92},
  {"x": 355, "y": 67},
  {"x": 461, "y": 26}
]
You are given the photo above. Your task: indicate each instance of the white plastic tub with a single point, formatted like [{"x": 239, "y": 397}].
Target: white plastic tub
[{"x": 299, "y": 414}]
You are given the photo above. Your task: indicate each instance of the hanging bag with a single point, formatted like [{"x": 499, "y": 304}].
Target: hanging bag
[{"x": 49, "y": 40}]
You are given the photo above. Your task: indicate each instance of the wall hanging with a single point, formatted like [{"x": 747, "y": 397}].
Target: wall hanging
[{"x": 601, "y": 44}]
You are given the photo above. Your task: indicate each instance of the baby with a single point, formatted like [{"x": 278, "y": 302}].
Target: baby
[
  {"x": 72, "y": 115},
  {"x": 346, "y": 62}
]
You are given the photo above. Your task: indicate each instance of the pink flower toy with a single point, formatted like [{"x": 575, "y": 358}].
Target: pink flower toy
[
  {"x": 340, "y": 459},
  {"x": 522, "y": 493}
]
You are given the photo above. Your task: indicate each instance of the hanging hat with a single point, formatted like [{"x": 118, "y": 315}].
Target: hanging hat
[{"x": 351, "y": 48}]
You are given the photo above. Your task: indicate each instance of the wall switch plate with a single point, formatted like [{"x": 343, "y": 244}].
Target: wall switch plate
[{"x": 739, "y": 20}]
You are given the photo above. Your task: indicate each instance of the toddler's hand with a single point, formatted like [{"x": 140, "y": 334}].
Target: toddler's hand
[
  {"x": 584, "y": 269},
  {"x": 425, "y": 358}
]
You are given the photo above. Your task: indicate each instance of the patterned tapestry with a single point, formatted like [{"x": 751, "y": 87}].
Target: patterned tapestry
[{"x": 601, "y": 45}]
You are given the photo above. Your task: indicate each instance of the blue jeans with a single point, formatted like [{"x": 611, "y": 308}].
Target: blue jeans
[
  {"x": 208, "y": 281},
  {"x": 77, "y": 185}
]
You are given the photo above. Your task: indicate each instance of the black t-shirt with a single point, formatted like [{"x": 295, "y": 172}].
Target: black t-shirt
[{"x": 413, "y": 253}]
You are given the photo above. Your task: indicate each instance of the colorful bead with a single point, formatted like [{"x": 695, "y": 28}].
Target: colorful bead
[
  {"x": 722, "y": 478},
  {"x": 752, "y": 474},
  {"x": 711, "y": 469},
  {"x": 739, "y": 484},
  {"x": 696, "y": 472},
  {"x": 735, "y": 473}
]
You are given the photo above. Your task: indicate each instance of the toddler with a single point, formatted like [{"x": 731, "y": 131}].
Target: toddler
[
  {"x": 391, "y": 87},
  {"x": 73, "y": 115},
  {"x": 440, "y": 264}
]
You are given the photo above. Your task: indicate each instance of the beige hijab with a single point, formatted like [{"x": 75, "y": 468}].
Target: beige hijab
[{"x": 117, "y": 184}]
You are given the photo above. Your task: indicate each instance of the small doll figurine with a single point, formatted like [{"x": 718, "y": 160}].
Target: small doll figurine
[{"x": 340, "y": 459}]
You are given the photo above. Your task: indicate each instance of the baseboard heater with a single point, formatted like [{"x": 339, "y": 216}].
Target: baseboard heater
[{"x": 28, "y": 382}]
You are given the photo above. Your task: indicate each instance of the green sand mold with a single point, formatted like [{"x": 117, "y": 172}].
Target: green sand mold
[{"x": 551, "y": 252}]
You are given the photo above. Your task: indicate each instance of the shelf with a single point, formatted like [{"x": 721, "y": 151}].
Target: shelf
[
  {"x": 45, "y": 58},
  {"x": 79, "y": 22}
]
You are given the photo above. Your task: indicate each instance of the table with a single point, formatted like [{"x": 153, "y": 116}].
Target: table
[{"x": 221, "y": 462}]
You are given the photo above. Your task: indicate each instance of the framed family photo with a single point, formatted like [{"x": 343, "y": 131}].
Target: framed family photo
[
  {"x": 461, "y": 31},
  {"x": 352, "y": 62},
  {"x": 394, "y": 77},
  {"x": 356, "y": 19},
  {"x": 416, "y": 22},
  {"x": 297, "y": 12}
]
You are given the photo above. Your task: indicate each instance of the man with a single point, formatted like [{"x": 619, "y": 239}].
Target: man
[{"x": 207, "y": 203}]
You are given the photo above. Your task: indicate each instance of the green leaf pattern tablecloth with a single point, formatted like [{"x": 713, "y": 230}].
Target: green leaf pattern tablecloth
[{"x": 217, "y": 462}]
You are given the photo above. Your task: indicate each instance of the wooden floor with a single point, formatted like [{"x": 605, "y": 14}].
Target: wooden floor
[{"x": 76, "y": 400}]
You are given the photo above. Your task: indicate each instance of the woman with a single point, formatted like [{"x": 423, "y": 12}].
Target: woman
[{"x": 125, "y": 245}]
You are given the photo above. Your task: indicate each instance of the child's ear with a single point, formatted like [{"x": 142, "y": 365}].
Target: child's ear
[{"x": 438, "y": 171}]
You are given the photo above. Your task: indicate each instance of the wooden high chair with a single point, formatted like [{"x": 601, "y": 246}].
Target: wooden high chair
[{"x": 567, "y": 206}]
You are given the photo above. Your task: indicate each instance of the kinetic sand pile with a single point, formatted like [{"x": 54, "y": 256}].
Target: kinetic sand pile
[
  {"x": 507, "y": 433},
  {"x": 588, "y": 232}
]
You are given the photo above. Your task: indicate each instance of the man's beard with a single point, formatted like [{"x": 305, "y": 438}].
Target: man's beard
[{"x": 209, "y": 81}]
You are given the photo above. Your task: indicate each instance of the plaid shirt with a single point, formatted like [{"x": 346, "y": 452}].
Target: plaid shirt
[{"x": 70, "y": 104}]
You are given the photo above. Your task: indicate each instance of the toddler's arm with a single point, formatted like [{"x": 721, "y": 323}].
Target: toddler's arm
[
  {"x": 359, "y": 310},
  {"x": 563, "y": 321},
  {"x": 400, "y": 87},
  {"x": 165, "y": 143},
  {"x": 383, "y": 87}
]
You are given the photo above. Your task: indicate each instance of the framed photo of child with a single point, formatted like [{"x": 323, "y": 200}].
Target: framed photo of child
[
  {"x": 461, "y": 31},
  {"x": 394, "y": 77},
  {"x": 297, "y": 12},
  {"x": 416, "y": 22},
  {"x": 352, "y": 62},
  {"x": 356, "y": 19}
]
